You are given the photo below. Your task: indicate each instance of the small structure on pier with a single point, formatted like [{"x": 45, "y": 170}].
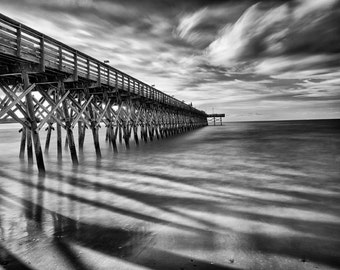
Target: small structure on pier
[{"x": 216, "y": 118}]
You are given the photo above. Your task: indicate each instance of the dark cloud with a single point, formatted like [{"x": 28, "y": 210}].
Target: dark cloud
[{"x": 306, "y": 29}]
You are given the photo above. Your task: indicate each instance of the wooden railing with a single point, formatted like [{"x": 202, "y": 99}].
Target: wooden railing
[{"x": 28, "y": 44}]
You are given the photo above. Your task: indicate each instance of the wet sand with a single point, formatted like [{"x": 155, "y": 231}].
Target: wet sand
[{"x": 241, "y": 196}]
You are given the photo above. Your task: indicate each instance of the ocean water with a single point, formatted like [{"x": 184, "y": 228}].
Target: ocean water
[{"x": 250, "y": 195}]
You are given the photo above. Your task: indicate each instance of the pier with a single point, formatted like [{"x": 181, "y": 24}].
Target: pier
[
  {"x": 216, "y": 118},
  {"x": 46, "y": 84}
]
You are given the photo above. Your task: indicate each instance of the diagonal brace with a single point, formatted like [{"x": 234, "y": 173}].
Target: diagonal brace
[
  {"x": 80, "y": 113},
  {"x": 29, "y": 89},
  {"x": 47, "y": 117}
]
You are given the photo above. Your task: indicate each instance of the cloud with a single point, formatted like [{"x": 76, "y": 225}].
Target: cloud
[
  {"x": 284, "y": 30},
  {"x": 284, "y": 63},
  {"x": 245, "y": 38},
  {"x": 200, "y": 27},
  {"x": 189, "y": 22}
]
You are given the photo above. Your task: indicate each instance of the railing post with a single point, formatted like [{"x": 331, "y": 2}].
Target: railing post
[
  {"x": 88, "y": 68},
  {"x": 116, "y": 80},
  {"x": 42, "y": 54},
  {"x": 19, "y": 41},
  {"x": 129, "y": 85},
  {"x": 60, "y": 58},
  {"x": 75, "y": 62},
  {"x": 98, "y": 81}
]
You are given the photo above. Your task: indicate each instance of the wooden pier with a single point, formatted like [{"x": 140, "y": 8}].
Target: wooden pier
[
  {"x": 216, "y": 118},
  {"x": 45, "y": 84}
]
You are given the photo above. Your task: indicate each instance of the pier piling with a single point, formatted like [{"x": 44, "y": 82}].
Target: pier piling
[{"x": 22, "y": 143}]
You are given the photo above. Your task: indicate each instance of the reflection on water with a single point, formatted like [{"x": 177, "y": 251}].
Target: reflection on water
[{"x": 261, "y": 195}]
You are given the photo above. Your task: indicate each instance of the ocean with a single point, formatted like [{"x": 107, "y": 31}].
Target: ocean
[{"x": 245, "y": 195}]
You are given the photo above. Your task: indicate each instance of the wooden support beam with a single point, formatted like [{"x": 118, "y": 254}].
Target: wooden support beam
[
  {"x": 11, "y": 113},
  {"x": 25, "y": 93},
  {"x": 112, "y": 133},
  {"x": 135, "y": 123},
  {"x": 10, "y": 94},
  {"x": 48, "y": 136},
  {"x": 102, "y": 113},
  {"x": 80, "y": 129},
  {"x": 66, "y": 145},
  {"x": 80, "y": 113},
  {"x": 29, "y": 146},
  {"x": 48, "y": 116},
  {"x": 126, "y": 135},
  {"x": 45, "y": 109},
  {"x": 82, "y": 138},
  {"x": 35, "y": 134},
  {"x": 19, "y": 120},
  {"x": 94, "y": 129},
  {"x": 107, "y": 135},
  {"x": 23, "y": 142},
  {"x": 157, "y": 133},
  {"x": 38, "y": 110},
  {"x": 69, "y": 131},
  {"x": 76, "y": 107},
  {"x": 4, "y": 102},
  {"x": 135, "y": 133},
  {"x": 59, "y": 142},
  {"x": 113, "y": 138}
]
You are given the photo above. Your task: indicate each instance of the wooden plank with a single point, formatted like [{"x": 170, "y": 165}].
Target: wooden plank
[
  {"x": 30, "y": 57},
  {"x": 28, "y": 40},
  {"x": 52, "y": 54},
  {"x": 7, "y": 43},
  {"x": 52, "y": 47},
  {"x": 8, "y": 30},
  {"x": 9, "y": 37}
]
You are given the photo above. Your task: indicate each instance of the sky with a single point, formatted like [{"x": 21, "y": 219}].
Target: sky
[{"x": 252, "y": 60}]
